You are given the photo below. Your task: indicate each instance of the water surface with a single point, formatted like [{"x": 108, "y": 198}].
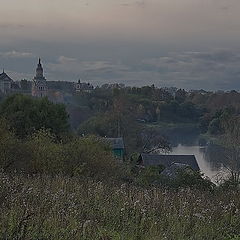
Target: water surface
[{"x": 204, "y": 156}]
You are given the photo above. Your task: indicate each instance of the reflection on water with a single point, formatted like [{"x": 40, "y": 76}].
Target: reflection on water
[{"x": 210, "y": 167}]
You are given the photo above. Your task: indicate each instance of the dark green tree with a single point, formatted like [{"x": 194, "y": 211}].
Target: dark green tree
[{"x": 25, "y": 115}]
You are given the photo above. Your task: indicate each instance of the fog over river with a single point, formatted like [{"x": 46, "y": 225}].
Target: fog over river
[
  {"x": 188, "y": 141},
  {"x": 205, "y": 158}
]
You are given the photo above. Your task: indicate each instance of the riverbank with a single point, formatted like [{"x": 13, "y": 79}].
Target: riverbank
[
  {"x": 210, "y": 139},
  {"x": 176, "y": 133}
]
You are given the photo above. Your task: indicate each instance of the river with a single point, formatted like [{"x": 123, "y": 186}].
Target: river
[
  {"x": 205, "y": 156},
  {"x": 187, "y": 141}
]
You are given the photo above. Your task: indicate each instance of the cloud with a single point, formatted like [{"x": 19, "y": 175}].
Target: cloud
[
  {"x": 211, "y": 70},
  {"x": 63, "y": 59},
  {"x": 11, "y": 26},
  {"x": 217, "y": 69},
  {"x": 139, "y": 3},
  {"x": 16, "y": 54},
  {"x": 73, "y": 65}
]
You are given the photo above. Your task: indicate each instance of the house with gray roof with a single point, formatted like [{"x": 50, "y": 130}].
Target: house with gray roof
[
  {"x": 174, "y": 170},
  {"x": 147, "y": 160}
]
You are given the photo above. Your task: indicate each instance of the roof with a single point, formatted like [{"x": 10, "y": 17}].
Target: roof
[
  {"x": 5, "y": 77},
  {"x": 168, "y": 160},
  {"x": 116, "y": 143},
  {"x": 174, "y": 169}
]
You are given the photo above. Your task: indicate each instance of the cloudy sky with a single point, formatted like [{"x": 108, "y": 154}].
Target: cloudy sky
[{"x": 189, "y": 44}]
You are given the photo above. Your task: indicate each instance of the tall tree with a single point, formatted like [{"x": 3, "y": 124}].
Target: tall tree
[
  {"x": 25, "y": 115},
  {"x": 231, "y": 142}
]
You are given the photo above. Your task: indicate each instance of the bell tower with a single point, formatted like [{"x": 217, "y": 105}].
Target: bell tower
[{"x": 39, "y": 85}]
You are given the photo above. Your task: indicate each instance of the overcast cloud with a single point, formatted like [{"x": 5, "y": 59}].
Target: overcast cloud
[{"x": 183, "y": 43}]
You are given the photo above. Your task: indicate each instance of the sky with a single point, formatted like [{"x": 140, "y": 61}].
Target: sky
[{"x": 191, "y": 44}]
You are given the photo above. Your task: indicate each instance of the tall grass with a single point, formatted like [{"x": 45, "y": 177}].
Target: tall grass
[{"x": 61, "y": 208}]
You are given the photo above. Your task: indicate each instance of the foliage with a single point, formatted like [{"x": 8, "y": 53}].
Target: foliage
[
  {"x": 215, "y": 127},
  {"x": 90, "y": 157},
  {"x": 213, "y": 123},
  {"x": 101, "y": 124},
  {"x": 25, "y": 115},
  {"x": 153, "y": 142},
  {"x": 185, "y": 178},
  {"x": 42, "y": 153},
  {"x": 180, "y": 112},
  {"x": 231, "y": 143},
  {"x": 193, "y": 179},
  {"x": 204, "y": 122},
  {"x": 149, "y": 175},
  {"x": 45, "y": 155},
  {"x": 118, "y": 121},
  {"x": 10, "y": 147}
]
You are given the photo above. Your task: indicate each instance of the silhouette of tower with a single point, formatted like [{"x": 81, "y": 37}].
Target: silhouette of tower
[{"x": 39, "y": 85}]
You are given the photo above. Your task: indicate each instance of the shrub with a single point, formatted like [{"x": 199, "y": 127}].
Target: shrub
[
  {"x": 25, "y": 115},
  {"x": 10, "y": 147}
]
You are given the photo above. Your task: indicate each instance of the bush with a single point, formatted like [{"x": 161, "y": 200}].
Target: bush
[
  {"x": 10, "y": 147},
  {"x": 25, "y": 115},
  {"x": 185, "y": 178},
  {"x": 45, "y": 154},
  {"x": 89, "y": 156}
]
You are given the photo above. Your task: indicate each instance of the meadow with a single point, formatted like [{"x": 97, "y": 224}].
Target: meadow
[{"x": 47, "y": 207}]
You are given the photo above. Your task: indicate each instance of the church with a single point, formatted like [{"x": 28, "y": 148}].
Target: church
[
  {"x": 39, "y": 87},
  {"x": 39, "y": 84}
]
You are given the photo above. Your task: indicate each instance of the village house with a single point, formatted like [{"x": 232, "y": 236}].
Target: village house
[
  {"x": 117, "y": 145},
  {"x": 167, "y": 161}
]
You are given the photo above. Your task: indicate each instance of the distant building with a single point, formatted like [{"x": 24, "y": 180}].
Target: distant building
[
  {"x": 5, "y": 83},
  {"x": 26, "y": 87},
  {"x": 16, "y": 87},
  {"x": 113, "y": 86},
  {"x": 9, "y": 86},
  {"x": 166, "y": 161},
  {"x": 171, "y": 90},
  {"x": 117, "y": 145},
  {"x": 201, "y": 91},
  {"x": 39, "y": 84},
  {"x": 83, "y": 87}
]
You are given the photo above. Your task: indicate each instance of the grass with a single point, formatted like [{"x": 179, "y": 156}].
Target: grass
[{"x": 61, "y": 208}]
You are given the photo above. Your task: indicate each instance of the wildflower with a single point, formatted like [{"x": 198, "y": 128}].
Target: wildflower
[
  {"x": 135, "y": 203},
  {"x": 143, "y": 211},
  {"x": 85, "y": 226},
  {"x": 199, "y": 216}
]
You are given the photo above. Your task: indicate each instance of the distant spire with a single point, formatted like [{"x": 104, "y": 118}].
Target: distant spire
[
  {"x": 39, "y": 61},
  {"x": 3, "y": 71}
]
